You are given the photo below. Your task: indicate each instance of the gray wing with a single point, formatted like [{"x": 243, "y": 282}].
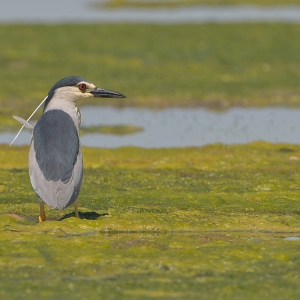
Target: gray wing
[{"x": 55, "y": 160}]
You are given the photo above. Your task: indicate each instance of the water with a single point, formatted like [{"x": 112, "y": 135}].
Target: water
[
  {"x": 292, "y": 238},
  {"x": 82, "y": 11},
  {"x": 182, "y": 127}
]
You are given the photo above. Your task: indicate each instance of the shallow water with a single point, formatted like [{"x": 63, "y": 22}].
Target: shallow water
[
  {"x": 66, "y": 11},
  {"x": 181, "y": 127},
  {"x": 292, "y": 238}
]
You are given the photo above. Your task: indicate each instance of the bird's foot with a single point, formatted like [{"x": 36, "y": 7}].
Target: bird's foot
[{"x": 42, "y": 218}]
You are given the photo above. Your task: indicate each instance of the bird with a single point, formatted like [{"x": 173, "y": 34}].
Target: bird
[{"x": 55, "y": 156}]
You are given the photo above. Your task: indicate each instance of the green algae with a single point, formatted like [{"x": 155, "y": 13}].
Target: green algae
[
  {"x": 176, "y": 3},
  {"x": 219, "y": 265},
  {"x": 157, "y": 224},
  {"x": 213, "y": 187},
  {"x": 212, "y": 65},
  {"x": 114, "y": 129},
  {"x": 206, "y": 222}
]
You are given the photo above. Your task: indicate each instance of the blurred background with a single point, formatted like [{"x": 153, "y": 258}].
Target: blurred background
[{"x": 195, "y": 72}]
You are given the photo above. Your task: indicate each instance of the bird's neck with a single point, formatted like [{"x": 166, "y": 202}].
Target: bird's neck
[{"x": 68, "y": 107}]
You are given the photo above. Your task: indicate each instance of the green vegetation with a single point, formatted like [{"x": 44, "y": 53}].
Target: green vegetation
[
  {"x": 175, "y": 3},
  {"x": 117, "y": 129},
  {"x": 165, "y": 223},
  {"x": 213, "y": 65},
  {"x": 158, "y": 224}
]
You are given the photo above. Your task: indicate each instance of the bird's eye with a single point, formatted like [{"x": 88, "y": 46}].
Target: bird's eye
[{"x": 82, "y": 86}]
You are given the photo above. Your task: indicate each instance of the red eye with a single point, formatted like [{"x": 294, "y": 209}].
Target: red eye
[{"x": 82, "y": 86}]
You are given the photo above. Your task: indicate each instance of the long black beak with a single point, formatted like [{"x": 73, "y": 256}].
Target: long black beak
[{"x": 102, "y": 93}]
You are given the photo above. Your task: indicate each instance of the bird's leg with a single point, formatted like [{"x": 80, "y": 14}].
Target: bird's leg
[
  {"x": 42, "y": 216},
  {"x": 76, "y": 208}
]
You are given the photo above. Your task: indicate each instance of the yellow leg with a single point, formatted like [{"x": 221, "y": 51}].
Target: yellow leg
[
  {"x": 42, "y": 216},
  {"x": 76, "y": 208}
]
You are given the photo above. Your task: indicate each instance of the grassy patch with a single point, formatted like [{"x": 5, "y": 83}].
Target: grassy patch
[
  {"x": 217, "y": 66},
  {"x": 160, "y": 224},
  {"x": 165, "y": 223},
  {"x": 117, "y": 129},
  {"x": 176, "y": 3}
]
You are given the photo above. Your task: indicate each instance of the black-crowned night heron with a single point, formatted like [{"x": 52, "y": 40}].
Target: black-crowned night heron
[{"x": 55, "y": 158}]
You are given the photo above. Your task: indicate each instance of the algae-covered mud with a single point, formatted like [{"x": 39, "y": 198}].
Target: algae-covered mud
[
  {"x": 219, "y": 265},
  {"x": 218, "y": 221},
  {"x": 174, "y": 3},
  {"x": 117, "y": 129},
  {"x": 212, "y": 65}
]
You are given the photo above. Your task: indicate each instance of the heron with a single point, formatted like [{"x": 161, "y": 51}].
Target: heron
[{"x": 55, "y": 156}]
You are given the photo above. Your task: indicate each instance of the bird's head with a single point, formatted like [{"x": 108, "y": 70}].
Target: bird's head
[{"x": 73, "y": 88}]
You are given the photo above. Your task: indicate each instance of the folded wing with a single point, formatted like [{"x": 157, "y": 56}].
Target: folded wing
[{"x": 55, "y": 159}]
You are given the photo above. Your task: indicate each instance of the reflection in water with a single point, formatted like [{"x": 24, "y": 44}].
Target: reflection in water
[{"x": 181, "y": 127}]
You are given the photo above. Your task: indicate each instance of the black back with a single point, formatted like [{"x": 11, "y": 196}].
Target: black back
[{"x": 56, "y": 145}]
